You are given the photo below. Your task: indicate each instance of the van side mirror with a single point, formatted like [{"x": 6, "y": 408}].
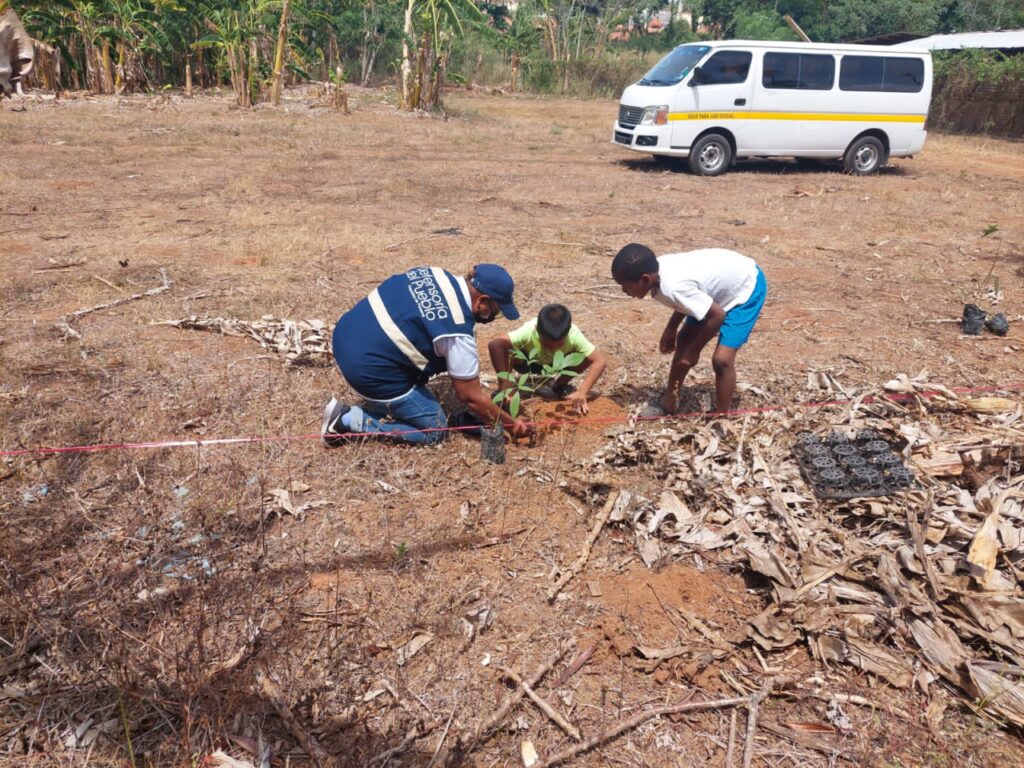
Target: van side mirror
[{"x": 697, "y": 78}]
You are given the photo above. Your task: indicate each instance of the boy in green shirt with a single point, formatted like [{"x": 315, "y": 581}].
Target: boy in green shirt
[{"x": 552, "y": 331}]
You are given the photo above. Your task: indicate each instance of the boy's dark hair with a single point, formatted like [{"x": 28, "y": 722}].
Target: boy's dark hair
[
  {"x": 554, "y": 322},
  {"x": 633, "y": 261}
]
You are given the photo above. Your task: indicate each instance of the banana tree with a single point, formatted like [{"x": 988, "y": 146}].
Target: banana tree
[
  {"x": 426, "y": 44},
  {"x": 233, "y": 32}
]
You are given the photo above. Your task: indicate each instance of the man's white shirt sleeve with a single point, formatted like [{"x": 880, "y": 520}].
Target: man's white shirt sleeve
[{"x": 461, "y": 355}]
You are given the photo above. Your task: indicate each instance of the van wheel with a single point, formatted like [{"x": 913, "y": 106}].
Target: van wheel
[
  {"x": 864, "y": 156},
  {"x": 711, "y": 155}
]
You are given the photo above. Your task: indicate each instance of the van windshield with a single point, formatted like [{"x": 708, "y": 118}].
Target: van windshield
[{"x": 676, "y": 65}]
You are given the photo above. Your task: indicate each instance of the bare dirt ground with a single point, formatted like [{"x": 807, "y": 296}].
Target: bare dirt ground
[{"x": 144, "y": 590}]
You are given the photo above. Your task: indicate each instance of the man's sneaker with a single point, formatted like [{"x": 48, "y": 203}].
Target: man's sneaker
[
  {"x": 332, "y": 431},
  {"x": 466, "y": 423}
]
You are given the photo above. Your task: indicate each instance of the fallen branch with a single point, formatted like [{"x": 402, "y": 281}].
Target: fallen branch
[
  {"x": 917, "y": 534},
  {"x": 269, "y": 691},
  {"x": 418, "y": 732},
  {"x": 440, "y": 742},
  {"x": 65, "y": 324},
  {"x": 576, "y": 666},
  {"x": 544, "y": 707},
  {"x": 581, "y": 561},
  {"x": 639, "y": 719},
  {"x": 755, "y": 703},
  {"x": 64, "y": 265},
  {"x": 468, "y": 743},
  {"x": 732, "y": 740}
]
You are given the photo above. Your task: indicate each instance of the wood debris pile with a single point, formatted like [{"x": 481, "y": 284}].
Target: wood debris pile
[
  {"x": 302, "y": 342},
  {"x": 920, "y": 587}
]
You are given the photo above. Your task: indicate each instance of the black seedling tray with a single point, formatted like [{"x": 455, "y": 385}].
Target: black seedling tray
[{"x": 839, "y": 467}]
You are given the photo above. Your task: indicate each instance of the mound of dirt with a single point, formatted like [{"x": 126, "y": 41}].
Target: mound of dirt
[
  {"x": 557, "y": 417},
  {"x": 637, "y": 603}
]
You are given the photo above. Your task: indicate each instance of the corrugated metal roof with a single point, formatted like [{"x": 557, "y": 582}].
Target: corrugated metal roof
[{"x": 1010, "y": 38}]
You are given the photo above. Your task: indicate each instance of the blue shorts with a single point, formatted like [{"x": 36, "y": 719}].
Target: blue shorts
[{"x": 739, "y": 321}]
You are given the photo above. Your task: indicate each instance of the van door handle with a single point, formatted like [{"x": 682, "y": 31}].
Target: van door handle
[{"x": 740, "y": 102}]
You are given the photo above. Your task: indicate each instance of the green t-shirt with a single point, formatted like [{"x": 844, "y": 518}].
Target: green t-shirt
[{"x": 526, "y": 338}]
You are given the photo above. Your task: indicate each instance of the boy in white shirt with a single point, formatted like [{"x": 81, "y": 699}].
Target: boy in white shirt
[{"x": 716, "y": 291}]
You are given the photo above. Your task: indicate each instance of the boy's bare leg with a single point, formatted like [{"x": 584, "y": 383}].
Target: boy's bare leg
[
  {"x": 688, "y": 347},
  {"x": 724, "y": 363}
]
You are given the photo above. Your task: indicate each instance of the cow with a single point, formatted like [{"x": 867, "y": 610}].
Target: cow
[{"x": 16, "y": 54}]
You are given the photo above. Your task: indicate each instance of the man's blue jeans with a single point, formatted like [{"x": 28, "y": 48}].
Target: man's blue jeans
[{"x": 415, "y": 411}]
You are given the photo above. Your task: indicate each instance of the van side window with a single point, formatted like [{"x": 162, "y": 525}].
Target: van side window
[
  {"x": 881, "y": 73},
  {"x": 726, "y": 67},
  {"x": 803, "y": 71},
  {"x": 903, "y": 75}
]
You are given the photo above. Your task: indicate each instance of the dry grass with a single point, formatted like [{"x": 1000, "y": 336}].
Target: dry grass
[{"x": 298, "y": 213}]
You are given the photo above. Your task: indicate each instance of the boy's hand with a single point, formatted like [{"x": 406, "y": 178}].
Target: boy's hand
[
  {"x": 668, "y": 340},
  {"x": 578, "y": 402},
  {"x": 669, "y": 401}
]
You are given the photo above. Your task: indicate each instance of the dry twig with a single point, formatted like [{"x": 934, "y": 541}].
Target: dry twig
[
  {"x": 639, "y": 719},
  {"x": 269, "y": 691},
  {"x": 581, "y": 561},
  {"x": 755, "y": 703},
  {"x": 576, "y": 665},
  {"x": 730, "y": 750},
  {"x": 65, "y": 323},
  {"x": 543, "y": 705},
  {"x": 468, "y": 743}
]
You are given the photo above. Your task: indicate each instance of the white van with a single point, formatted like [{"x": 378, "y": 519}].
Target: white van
[{"x": 713, "y": 102}]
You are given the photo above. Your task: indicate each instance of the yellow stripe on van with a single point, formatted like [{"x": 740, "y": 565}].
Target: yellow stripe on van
[{"x": 834, "y": 116}]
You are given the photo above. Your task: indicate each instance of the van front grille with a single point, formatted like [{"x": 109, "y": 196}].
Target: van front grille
[{"x": 629, "y": 116}]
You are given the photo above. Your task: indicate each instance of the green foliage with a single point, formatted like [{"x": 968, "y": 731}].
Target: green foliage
[
  {"x": 762, "y": 25},
  {"x": 561, "y": 366},
  {"x": 548, "y": 46},
  {"x": 980, "y": 66}
]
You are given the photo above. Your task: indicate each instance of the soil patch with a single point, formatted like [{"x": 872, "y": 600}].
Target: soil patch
[
  {"x": 649, "y": 606},
  {"x": 557, "y": 417}
]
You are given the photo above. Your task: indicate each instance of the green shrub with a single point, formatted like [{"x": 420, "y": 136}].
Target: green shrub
[{"x": 978, "y": 65}]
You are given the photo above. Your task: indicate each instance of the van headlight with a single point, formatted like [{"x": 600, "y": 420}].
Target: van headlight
[{"x": 655, "y": 115}]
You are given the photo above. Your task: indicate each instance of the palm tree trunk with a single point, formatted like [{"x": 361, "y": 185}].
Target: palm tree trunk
[
  {"x": 408, "y": 36},
  {"x": 107, "y": 68},
  {"x": 282, "y": 37},
  {"x": 514, "y": 79},
  {"x": 119, "y": 76}
]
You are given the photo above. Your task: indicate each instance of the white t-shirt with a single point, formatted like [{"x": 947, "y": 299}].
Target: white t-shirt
[
  {"x": 461, "y": 355},
  {"x": 459, "y": 352},
  {"x": 690, "y": 281}
]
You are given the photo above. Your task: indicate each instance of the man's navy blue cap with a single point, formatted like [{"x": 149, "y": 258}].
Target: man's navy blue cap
[{"x": 493, "y": 281}]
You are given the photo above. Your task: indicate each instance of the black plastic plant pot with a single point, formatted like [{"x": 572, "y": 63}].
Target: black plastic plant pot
[
  {"x": 973, "y": 320},
  {"x": 998, "y": 324},
  {"x": 821, "y": 463},
  {"x": 492, "y": 444},
  {"x": 875, "y": 447}
]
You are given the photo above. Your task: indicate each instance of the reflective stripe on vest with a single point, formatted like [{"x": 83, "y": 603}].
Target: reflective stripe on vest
[
  {"x": 448, "y": 291},
  {"x": 393, "y": 332}
]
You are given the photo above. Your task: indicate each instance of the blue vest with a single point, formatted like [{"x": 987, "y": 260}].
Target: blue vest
[{"x": 384, "y": 345}]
